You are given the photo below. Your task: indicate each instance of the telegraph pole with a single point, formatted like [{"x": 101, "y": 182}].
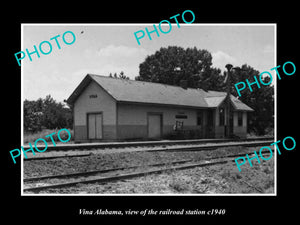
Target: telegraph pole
[{"x": 228, "y": 111}]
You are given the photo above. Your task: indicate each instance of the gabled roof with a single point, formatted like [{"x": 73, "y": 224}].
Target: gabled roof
[{"x": 155, "y": 93}]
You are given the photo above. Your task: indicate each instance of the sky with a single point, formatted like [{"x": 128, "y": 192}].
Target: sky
[{"x": 112, "y": 48}]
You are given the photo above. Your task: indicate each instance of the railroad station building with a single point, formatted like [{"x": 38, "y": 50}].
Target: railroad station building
[{"x": 108, "y": 108}]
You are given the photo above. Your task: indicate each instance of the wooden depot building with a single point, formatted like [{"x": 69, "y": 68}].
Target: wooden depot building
[{"x": 108, "y": 108}]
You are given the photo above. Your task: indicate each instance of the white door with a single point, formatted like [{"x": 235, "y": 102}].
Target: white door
[
  {"x": 95, "y": 126},
  {"x": 154, "y": 126}
]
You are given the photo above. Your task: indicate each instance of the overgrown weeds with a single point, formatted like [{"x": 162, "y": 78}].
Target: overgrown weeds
[{"x": 31, "y": 137}]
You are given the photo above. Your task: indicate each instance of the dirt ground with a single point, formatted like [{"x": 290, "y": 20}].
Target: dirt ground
[{"x": 217, "y": 179}]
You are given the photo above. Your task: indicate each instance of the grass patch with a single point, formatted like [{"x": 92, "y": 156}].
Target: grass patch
[
  {"x": 180, "y": 184},
  {"x": 31, "y": 137},
  {"x": 256, "y": 179}
]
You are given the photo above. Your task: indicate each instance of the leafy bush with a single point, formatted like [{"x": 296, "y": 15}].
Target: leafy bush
[{"x": 46, "y": 113}]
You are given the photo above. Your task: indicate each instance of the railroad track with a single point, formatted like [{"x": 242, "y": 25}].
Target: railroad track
[
  {"x": 191, "y": 147},
  {"x": 102, "y": 145},
  {"x": 169, "y": 166}
]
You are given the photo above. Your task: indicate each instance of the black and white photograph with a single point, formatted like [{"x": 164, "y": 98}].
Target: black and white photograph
[
  {"x": 141, "y": 109},
  {"x": 141, "y": 112}
]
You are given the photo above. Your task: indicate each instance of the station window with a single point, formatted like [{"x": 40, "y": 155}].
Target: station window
[
  {"x": 222, "y": 116},
  {"x": 240, "y": 119}
]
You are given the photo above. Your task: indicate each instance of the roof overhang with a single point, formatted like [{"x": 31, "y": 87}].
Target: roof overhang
[
  {"x": 76, "y": 93},
  {"x": 212, "y": 100}
]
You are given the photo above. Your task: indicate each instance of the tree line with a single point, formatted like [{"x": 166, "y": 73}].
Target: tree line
[
  {"x": 170, "y": 65},
  {"x": 46, "y": 113}
]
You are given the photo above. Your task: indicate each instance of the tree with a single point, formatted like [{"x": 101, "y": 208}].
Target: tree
[
  {"x": 33, "y": 115},
  {"x": 46, "y": 113},
  {"x": 260, "y": 99},
  {"x": 120, "y": 76},
  {"x": 172, "y": 64},
  {"x": 54, "y": 114}
]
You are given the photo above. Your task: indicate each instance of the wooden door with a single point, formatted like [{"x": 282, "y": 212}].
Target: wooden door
[
  {"x": 154, "y": 126},
  {"x": 95, "y": 126}
]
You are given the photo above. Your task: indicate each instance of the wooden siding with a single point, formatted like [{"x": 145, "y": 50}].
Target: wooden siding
[
  {"x": 94, "y": 99},
  {"x": 133, "y": 119}
]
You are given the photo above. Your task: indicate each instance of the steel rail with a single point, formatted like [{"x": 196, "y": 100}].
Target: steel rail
[
  {"x": 120, "y": 177},
  {"x": 214, "y": 146},
  {"x": 56, "y": 156},
  {"x": 65, "y": 147},
  {"x": 129, "y": 175},
  {"x": 170, "y": 149},
  {"x": 101, "y": 171}
]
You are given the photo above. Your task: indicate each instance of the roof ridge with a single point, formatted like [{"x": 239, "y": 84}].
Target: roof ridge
[
  {"x": 206, "y": 93},
  {"x": 140, "y": 81},
  {"x": 212, "y": 96},
  {"x": 157, "y": 94}
]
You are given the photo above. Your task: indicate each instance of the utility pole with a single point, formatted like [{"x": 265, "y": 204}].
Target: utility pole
[{"x": 228, "y": 111}]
